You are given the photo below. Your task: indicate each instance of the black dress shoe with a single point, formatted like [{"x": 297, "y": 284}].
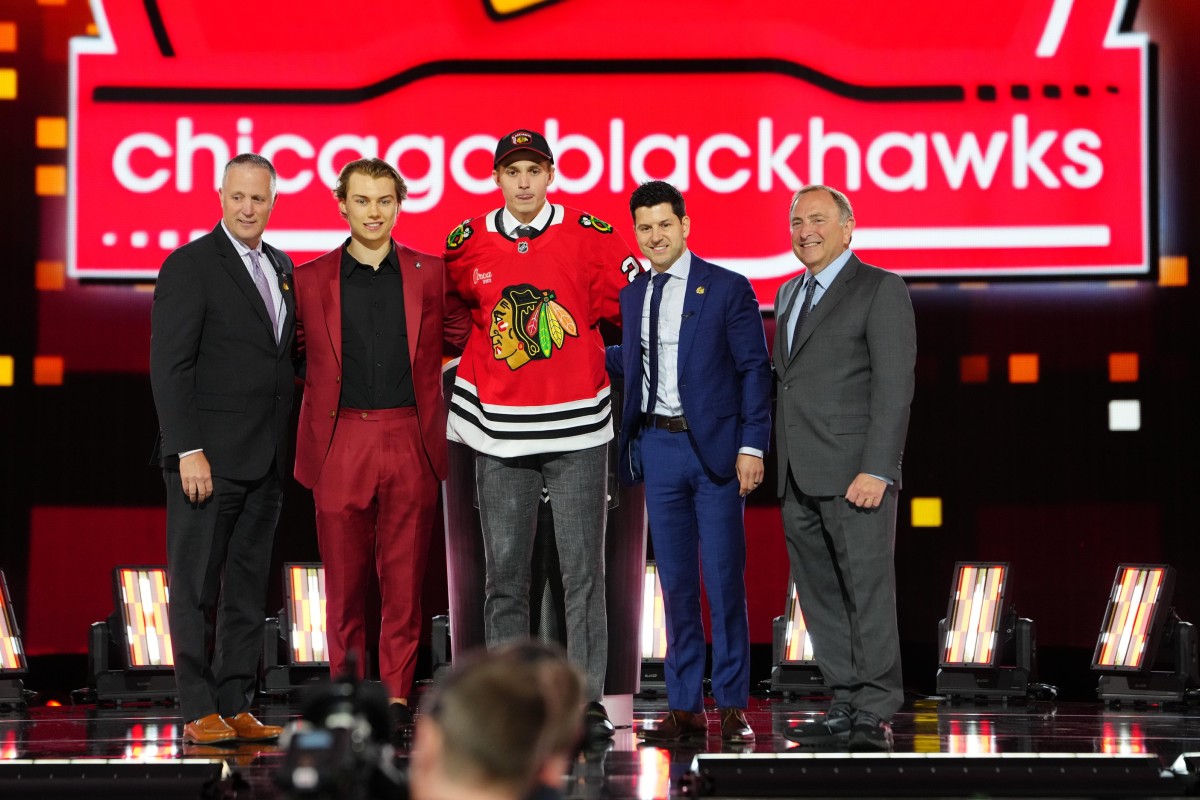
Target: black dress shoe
[
  {"x": 675, "y": 726},
  {"x": 400, "y": 717},
  {"x": 596, "y": 724},
  {"x": 870, "y": 733},
  {"x": 832, "y": 731}
]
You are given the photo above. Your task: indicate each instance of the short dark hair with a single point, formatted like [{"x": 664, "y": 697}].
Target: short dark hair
[
  {"x": 654, "y": 192},
  {"x": 372, "y": 168},
  {"x": 251, "y": 160},
  {"x": 494, "y": 717}
]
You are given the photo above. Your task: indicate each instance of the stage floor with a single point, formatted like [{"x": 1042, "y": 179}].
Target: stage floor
[{"x": 941, "y": 749}]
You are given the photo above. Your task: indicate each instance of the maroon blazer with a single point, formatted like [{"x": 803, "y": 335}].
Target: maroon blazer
[{"x": 438, "y": 322}]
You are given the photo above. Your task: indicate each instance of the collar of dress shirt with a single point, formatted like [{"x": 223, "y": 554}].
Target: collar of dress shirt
[
  {"x": 826, "y": 277},
  {"x": 680, "y": 269},
  {"x": 240, "y": 246},
  {"x": 539, "y": 222},
  {"x": 390, "y": 263}
]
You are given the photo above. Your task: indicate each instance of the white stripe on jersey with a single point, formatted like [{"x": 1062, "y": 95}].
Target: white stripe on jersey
[{"x": 508, "y": 431}]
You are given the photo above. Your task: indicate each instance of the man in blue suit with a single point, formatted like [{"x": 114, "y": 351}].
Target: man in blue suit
[{"x": 695, "y": 425}]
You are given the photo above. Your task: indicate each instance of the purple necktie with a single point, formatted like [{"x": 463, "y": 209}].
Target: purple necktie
[{"x": 264, "y": 289}]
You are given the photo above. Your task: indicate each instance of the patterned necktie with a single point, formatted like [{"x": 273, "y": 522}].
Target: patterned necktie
[
  {"x": 809, "y": 291},
  {"x": 660, "y": 280},
  {"x": 260, "y": 280},
  {"x": 523, "y": 231}
]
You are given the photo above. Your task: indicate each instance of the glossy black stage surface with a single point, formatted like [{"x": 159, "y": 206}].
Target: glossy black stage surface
[{"x": 941, "y": 749}]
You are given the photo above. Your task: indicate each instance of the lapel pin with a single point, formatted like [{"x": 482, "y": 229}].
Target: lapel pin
[
  {"x": 699, "y": 290},
  {"x": 418, "y": 265}
]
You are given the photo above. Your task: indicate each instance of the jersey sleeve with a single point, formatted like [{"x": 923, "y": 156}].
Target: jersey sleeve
[{"x": 614, "y": 267}]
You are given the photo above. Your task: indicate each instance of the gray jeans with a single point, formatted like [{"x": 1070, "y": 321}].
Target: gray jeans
[{"x": 509, "y": 492}]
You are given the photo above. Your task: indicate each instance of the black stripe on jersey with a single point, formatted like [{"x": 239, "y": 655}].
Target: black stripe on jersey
[
  {"x": 548, "y": 416},
  {"x": 547, "y": 434}
]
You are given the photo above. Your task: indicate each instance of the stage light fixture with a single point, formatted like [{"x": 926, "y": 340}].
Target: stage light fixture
[
  {"x": 986, "y": 649},
  {"x": 795, "y": 669},
  {"x": 295, "y": 644},
  {"x": 12, "y": 654},
  {"x": 653, "y": 633},
  {"x": 1145, "y": 652},
  {"x": 129, "y": 654}
]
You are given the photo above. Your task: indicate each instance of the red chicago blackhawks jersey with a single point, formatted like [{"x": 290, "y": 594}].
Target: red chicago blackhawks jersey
[{"x": 532, "y": 377}]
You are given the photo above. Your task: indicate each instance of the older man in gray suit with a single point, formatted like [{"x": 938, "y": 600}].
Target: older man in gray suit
[{"x": 845, "y": 349}]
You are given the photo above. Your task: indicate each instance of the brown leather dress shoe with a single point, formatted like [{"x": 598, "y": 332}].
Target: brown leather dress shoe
[
  {"x": 248, "y": 729},
  {"x": 734, "y": 727},
  {"x": 677, "y": 725},
  {"x": 208, "y": 730}
]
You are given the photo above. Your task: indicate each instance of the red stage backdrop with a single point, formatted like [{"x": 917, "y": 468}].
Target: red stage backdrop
[{"x": 1009, "y": 137}]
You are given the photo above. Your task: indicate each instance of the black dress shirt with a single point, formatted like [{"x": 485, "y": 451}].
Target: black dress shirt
[{"x": 376, "y": 367}]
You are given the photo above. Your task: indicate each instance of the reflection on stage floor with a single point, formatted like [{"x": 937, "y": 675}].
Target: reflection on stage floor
[{"x": 1128, "y": 751}]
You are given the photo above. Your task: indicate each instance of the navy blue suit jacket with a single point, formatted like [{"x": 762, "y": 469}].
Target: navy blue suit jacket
[{"x": 724, "y": 375}]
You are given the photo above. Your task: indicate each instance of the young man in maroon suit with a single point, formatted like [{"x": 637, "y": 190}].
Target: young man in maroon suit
[{"x": 371, "y": 319}]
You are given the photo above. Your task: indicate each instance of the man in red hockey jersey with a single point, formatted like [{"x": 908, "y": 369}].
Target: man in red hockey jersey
[{"x": 532, "y": 395}]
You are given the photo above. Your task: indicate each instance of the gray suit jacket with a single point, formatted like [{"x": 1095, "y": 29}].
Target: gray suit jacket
[{"x": 843, "y": 396}]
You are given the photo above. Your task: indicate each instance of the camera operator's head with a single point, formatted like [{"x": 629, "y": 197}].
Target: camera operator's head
[
  {"x": 562, "y": 686},
  {"x": 486, "y": 733}
]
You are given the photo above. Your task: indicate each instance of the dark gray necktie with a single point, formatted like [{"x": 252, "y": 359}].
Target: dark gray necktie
[
  {"x": 523, "y": 231},
  {"x": 264, "y": 289},
  {"x": 660, "y": 280},
  {"x": 809, "y": 291}
]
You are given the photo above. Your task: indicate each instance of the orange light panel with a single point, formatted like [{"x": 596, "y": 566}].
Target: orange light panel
[
  {"x": 797, "y": 644},
  {"x": 51, "y": 276},
  {"x": 47, "y": 370},
  {"x": 143, "y": 598},
  {"x": 50, "y": 180},
  {"x": 51, "y": 133},
  {"x": 1139, "y": 594},
  {"x": 8, "y": 37},
  {"x": 973, "y": 369},
  {"x": 8, "y": 84},
  {"x": 973, "y": 620},
  {"x": 1023, "y": 368},
  {"x": 1123, "y": 367},
  {"x": 1173, "y": 271},
  {"x": 12, "y": 654},
  {"x": 307, "y": 641},
  {"x": 654, "y": 616}
]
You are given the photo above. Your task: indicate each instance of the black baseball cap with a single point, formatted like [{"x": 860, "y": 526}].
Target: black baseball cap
[{"x": 522, "y": 139}]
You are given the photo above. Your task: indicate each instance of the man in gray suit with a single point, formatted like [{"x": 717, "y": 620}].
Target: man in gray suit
[{"x": 845, "y": 349}]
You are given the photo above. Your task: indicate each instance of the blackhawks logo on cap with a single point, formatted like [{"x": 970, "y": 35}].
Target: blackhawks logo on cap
[{"x": 522, "y": 138}]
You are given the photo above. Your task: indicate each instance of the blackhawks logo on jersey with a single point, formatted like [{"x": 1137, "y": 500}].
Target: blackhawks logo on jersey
[
  {"x": 528, "y": 324},
  {"x": 459, "y": 235},
  {"x": 598, "y": 225}
]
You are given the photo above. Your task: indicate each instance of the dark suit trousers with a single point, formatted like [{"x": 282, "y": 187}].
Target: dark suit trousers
[
  {"x": 842, "y": 560},
  {"x": 696, "y": 526},
  {"x": 218, "y": 560},
  {"x": 376, "y": 502}
]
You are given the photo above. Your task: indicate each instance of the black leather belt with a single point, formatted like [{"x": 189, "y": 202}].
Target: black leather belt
[{"x": 672, "y": 424}]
